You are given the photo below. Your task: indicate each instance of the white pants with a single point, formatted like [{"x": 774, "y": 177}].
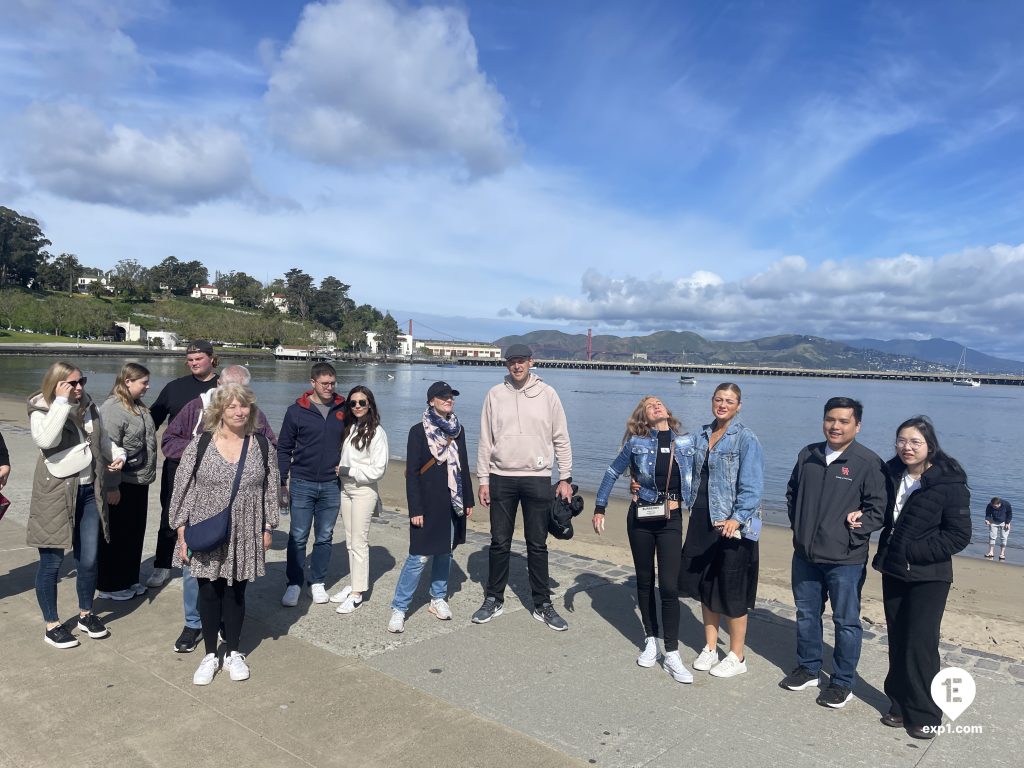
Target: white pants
[
  {"x": 357, "y": 505},
  {"x": 997, "y": 531}
]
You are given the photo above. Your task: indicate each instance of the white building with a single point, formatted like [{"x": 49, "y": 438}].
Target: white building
[
  {"x": 280, "y": 302},
  {"x": 403, "y": 342},
  {"x": 210, "y": 293},
  {"x": 167, "y": 339},
  {"x": 474, "y": 349}
]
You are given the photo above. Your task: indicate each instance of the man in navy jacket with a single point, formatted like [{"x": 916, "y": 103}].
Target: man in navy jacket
[
  {"x": 308, "y": 449},
  {"x": 831, "y": 480}
]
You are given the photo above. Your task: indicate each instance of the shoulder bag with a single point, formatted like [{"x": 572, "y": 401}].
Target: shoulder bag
[{"x": 209, "y": 534}]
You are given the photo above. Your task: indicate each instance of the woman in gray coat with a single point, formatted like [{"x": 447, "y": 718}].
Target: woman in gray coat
[
  {"x": 130, "y": 427},
  {"x": 68, "y": 507}
]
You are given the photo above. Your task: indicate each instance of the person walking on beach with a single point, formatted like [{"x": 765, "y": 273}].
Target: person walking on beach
[
  {"x": 309, "y": 451},
  {"x": 927, "y": 521},
  {"x": 721, "y": 553},
  {"x": 127, "y": 421},
  {"x": 183, "y": 429},
  {"x": 69, "y": 495},
  {"x": 439, "y": 490},
  {"x": 998, "y": 514},
  {"x": 363, "y": 462},
  {"x": 173, "y": 397},
  {"x": 522, "y": 427},
  {"x": 659, "y": 457},
  {"x": 831, "y": 480}
]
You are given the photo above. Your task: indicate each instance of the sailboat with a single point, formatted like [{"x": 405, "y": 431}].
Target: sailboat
[{"x": 960, "y": 377}]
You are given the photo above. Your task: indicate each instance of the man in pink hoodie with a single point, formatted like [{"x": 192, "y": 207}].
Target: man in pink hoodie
[{"x": 523, "y": 433}]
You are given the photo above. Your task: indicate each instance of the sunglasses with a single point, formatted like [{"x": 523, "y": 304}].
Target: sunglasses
[
  {"x": 358, "y": 403},
  {"x": 80, "y": 381}
]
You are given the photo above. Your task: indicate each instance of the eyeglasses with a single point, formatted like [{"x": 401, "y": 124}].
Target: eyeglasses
[
  {"x": 79, "y": 383},
  {"x": 358, "y": 403},
  {"x": 914, "y": 443},
  {"x": 326, "y": 384}
]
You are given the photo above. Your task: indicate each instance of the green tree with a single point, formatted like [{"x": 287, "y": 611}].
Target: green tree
[
  {"x": 330, "y": 303},
  {"x": 299, "y": 292},
  {"x": 387, "y": 334},
  {"x": 60, "y": 273},
  {"x": 247, "y": 291},
  {"x": 179, "y": 276},
  {"x": 22, "y": 248},
  {"x": 130, "y": 280}
]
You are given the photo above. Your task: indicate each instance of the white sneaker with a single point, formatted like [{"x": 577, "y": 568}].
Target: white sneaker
[
  {"x": 207, "y": 669},
  {"x": 158, "y": 578},
  {"x": 351, "y": 603},
  {"x": 319, "y": 594},
  {"x": 291, "y": 596},
  {"x": 439, "y": 607},
  {"x": 397, "y": 622},
  {"x": 235, "y": 664},
  {"x": 675, "y": 667},
  {"x": 649, "y": 655},
  {"x": 730, "y": 666},
  {"x": 341, "y": 596},
  {"x": 706, "y": 660}
]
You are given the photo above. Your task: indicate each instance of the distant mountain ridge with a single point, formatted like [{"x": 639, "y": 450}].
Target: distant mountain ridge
[{"x": 785, "y": 351}]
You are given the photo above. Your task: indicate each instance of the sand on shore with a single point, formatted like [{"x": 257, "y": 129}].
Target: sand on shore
[{"x": 981, "y": 613}]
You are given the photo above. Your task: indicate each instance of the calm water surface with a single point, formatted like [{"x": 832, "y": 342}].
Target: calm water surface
[{"x": 785, "y": 414}]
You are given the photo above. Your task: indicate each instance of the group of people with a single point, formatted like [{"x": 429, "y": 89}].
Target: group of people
[{"x": 227, "y": 477}]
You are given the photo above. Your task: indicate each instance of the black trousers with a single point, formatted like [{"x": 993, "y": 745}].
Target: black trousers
[
  {"x": 913, "y": 615},
  {"x": 535, "y": 495},
  {"x": 221, "y": 604},
  {"x": 660, "y": 540},
  {"x": 119, "y": 559},
  {"x": 166, "y": 537}
]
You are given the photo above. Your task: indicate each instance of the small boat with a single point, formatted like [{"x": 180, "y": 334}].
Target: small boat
[
  {"x": 960, "y": 377},
  {"x": 634, "y": 372},
  {"x": 687, "y": 379}
]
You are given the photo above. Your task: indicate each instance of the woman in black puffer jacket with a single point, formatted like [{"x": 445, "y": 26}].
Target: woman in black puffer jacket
[{"x": 927, "y": 522}]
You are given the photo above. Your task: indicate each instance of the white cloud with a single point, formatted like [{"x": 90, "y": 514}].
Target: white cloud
[
  {"x": 69, "y": 151},
  {"x": 364, "y": 83}
]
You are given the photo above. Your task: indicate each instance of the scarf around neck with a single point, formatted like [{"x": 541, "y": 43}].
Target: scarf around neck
[{"x": 441, "y": 435}]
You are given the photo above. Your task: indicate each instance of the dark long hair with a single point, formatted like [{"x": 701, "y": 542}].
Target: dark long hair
[
  {"x": 366, "y": 427},
  {"x": 936, "y": 455}
]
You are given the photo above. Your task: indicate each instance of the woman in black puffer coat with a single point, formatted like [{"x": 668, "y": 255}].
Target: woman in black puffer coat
[{"x": 927, "y": 522}]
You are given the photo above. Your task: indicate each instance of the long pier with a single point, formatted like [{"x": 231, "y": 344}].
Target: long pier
[{"x": 756, "y": 370}]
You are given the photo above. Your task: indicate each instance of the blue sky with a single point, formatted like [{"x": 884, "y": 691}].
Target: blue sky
[{"x": 734, "y": 169}]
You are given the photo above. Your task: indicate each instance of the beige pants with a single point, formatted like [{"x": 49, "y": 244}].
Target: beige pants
[{"x": 357, "y": 505}]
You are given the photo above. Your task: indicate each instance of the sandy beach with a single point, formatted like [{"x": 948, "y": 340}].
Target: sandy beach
[{"x": 982, "y": 611}]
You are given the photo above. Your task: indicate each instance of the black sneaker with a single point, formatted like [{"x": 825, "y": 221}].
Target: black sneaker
[
  {"x": 799, "y": 679},
  {"x": 188, "y": 640},
  {"x": 60, "y": 637},
  {"x": 835, "y": 696},
  {"x": 491, "y": 609},
  {"x": 92, "y": 626},
  {"x": 549, "y": 616}
]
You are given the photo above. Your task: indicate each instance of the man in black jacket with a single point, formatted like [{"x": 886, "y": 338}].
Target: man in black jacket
[{"x": 829, "y": 481}]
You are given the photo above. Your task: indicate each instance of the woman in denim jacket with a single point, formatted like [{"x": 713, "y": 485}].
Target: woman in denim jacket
[
  {"x": 659, "y": 460},
  {"x": 720, "y": 554}
]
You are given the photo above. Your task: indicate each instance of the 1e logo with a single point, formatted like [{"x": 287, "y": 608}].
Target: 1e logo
[{"x": 953, "y": 691}]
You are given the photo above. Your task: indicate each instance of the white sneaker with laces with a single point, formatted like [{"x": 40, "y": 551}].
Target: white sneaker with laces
[
  {"x": 397, "y": 623},
  {"x": 207, "y": 669},
  {"x": 649, "y": 655},
  {"x": 342, "y": 595},
  {"x": 235, "y": 664},
  {"x": 158, "y": 577},
  {"x": 706, "y": 660},
  {"x": 351, "y": 603},
  {"x": 319, "y": 594},
  {"x": 291, "y": 596},
  {"x": 675, "y": 667},
  {"x": 730, "y": 666},
  {"x": 439, "y": 607}
]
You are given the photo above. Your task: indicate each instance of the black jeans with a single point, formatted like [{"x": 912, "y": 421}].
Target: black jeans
[
  {"x": 535, "y": 495},
  {"x": 663, "y": 539},
  {"x": 913, "y": 613},
  {"x": 166, "y": 537},
  {"x": 119, "y": 559},
  {"x": 221, "y": 603}
]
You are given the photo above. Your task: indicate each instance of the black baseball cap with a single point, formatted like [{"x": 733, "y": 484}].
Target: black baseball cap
[
  {"x": 518, "y": 350},
  {"x": 441, "y": 389},
  {"x": 199, "y": 345}
]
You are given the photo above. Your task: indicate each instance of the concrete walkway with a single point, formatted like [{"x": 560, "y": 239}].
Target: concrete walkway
[{"x": 338, "y": 690}]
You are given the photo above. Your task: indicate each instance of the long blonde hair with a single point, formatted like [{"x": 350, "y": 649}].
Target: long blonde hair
[
  {"x": 636, "y": 424},
  {"x": 221, "y": 399},
  {"x": 55, "y": 374},
  {"x": 130, "y": 372}
]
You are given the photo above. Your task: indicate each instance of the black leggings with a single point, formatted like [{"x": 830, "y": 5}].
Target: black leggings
[
  {"x": 663, "y": 538},
  {"x": 221, "y": 603}
]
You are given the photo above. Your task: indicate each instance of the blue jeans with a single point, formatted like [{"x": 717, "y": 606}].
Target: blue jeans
[
  {"x": 313, "y": 505},
  {"x": 85, "y": 544},
  {"x": 410, "y": 579},
  {"x": 813, "y": 583},
  {"x": 190, "y": 599}
]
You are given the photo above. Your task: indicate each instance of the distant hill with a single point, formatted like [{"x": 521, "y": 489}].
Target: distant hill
[
  {"x": 787, "y": 351},
  {"x": 941, "y": 351}
]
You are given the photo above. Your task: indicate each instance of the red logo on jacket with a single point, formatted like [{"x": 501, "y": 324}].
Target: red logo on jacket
[{"x": 846, "y": 471}]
